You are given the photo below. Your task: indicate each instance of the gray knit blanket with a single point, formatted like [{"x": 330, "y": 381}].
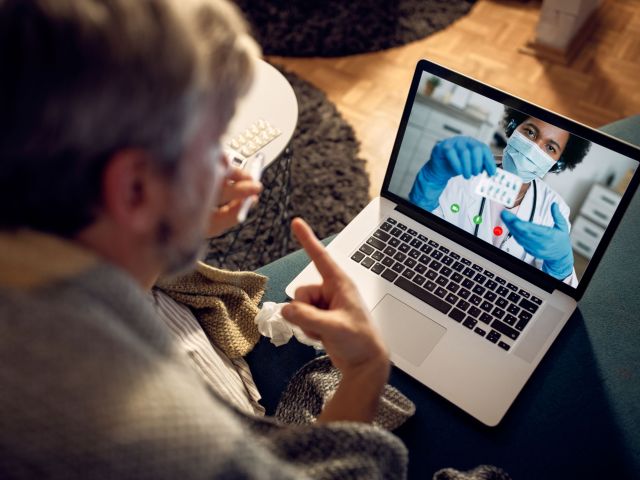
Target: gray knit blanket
[{"x": 313, "y": 386}]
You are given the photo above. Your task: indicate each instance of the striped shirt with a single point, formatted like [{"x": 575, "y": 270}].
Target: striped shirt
[{"x": 231, "y": 379}]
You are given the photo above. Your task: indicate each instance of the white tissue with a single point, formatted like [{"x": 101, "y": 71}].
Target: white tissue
[{"x": 272, "y": 324}]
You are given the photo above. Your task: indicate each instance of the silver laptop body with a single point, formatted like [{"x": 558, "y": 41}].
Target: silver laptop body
[{"x": 480, "y": 361}]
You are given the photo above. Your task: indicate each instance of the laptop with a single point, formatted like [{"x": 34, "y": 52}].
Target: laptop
[{"x": 466, "y": 306}]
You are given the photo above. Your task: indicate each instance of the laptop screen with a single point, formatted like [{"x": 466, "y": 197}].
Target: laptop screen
[{"x": 517, "y": 182}]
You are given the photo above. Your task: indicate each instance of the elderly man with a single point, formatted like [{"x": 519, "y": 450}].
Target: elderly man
[{"x": 111, "y": 117}]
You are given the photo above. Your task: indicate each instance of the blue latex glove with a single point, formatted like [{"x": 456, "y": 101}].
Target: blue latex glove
[
  {"x": 550, "y": 244},
  {"x": 454, "y": 156}
]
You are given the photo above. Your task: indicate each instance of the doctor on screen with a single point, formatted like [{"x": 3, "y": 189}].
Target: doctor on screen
[{"x": 536, "y": 228}]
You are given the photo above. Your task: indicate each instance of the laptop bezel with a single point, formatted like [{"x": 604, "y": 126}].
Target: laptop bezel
[{"x": 458, "y": 235}]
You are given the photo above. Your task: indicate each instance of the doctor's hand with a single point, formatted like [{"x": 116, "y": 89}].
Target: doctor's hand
[
  {"x": 454, "y": 156},
  {"x": 238, "y": 186},
  {"x": 550, "y": 244},
  {"x": 334, "y": 313}
]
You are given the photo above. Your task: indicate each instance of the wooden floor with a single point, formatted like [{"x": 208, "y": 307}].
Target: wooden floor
[{"x": 599, "y": 86}]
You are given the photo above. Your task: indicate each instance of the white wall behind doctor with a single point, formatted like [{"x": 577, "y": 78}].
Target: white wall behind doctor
[{"x": 599, "y": 164}]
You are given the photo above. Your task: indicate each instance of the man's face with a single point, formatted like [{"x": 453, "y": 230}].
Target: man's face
[{"x": 193, "y": 193}]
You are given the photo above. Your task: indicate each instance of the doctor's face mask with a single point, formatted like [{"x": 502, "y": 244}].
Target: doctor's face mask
[{"x": 524, "y": 158}]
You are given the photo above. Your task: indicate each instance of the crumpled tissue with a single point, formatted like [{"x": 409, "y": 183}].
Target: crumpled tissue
[{"x": 272, "y": 324}]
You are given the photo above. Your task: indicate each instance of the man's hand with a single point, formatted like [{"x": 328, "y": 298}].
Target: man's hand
[
  {"x": 334, "y": 313},
  {"x": 237, "y": 186}
]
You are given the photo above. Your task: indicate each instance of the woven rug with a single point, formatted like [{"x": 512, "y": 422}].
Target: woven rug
[
  {"x": 327, "y": 186},
  {"x": 327, "y": 28}
]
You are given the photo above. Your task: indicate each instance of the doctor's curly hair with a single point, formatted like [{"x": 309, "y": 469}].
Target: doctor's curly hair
[{"x": 574, "y": 152}]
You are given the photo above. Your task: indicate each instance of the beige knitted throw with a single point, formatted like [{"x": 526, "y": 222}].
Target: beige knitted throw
[{"x": 225, "y": 304}]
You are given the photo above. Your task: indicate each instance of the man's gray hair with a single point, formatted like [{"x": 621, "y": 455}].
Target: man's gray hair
[{"x": 81, "y": 80}]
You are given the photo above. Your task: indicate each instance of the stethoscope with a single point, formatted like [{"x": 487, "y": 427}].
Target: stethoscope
[{"x": 533, "y": 211}]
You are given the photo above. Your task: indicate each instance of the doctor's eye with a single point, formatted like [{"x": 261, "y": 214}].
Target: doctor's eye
[
  {"x": 551, "y": 149},
  {"x": 531, "y": 133}
]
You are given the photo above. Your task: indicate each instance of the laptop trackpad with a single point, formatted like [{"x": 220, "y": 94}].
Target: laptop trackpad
[{"x": 408, "y": 333}]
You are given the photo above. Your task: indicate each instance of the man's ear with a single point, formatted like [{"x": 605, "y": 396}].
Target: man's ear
[{"x": 134, "y": 193}]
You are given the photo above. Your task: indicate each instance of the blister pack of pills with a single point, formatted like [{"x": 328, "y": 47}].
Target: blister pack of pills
[
  {"x": 253, "y": 138},
  {"x": 503, "y": 187}
]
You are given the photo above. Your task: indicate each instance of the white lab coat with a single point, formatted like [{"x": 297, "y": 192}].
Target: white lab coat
[{"x": 462, "y": 192}]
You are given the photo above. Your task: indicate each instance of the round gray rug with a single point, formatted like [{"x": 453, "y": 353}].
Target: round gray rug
[
  {"x": 327, "y": 186},
  {"x": 327, "y": 28}
]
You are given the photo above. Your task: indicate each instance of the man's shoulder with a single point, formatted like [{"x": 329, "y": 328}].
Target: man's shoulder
[
  {"x": 48, "y": 333},
  {"x": 77, "y": 383},
  {"x": 68, "y": 312},
  {"x": 78, "y": 342}
]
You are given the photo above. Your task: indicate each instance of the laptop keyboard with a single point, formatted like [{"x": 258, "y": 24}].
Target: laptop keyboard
[{"x": 483, "y": 302}]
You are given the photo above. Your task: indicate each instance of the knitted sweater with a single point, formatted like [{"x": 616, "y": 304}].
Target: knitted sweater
[{"x": 91, "y": 387}]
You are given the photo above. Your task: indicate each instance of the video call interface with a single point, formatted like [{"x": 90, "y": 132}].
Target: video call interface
[{"x": 529, "y": 188}]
